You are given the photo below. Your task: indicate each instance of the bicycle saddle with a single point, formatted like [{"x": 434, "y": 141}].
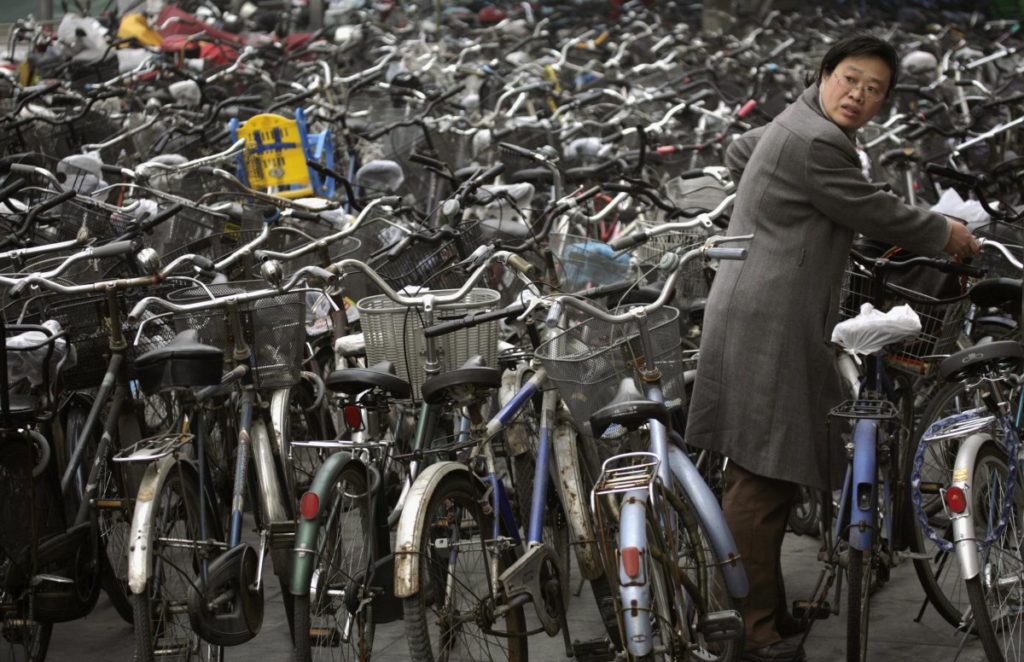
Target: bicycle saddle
[
  {"x": 181, "y": 363},
  {"x": 977, "y": 359},
  {"x": 380, "y": 376},
  {"x": 1002, "y": 293},
  {"x": 462, "y": 383},
  {"x": 629, "y": 408}
]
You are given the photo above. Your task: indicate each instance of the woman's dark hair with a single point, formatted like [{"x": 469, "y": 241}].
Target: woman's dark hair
[{"x": 860, "y": 46}]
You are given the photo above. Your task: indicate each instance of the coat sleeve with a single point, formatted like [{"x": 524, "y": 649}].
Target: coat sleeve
[
  {"x": 838, "y": 190},
  {"x": 738, "y": 153}
]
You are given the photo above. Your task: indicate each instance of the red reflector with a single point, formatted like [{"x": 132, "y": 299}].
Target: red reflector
[
  {"x": 631, "y": 561},
  {"x": 666, "y": 149},
  {"x": 309, "y": 505},
  {"x": 353, "y": 417},
  {"x": 956, "y": 500}
]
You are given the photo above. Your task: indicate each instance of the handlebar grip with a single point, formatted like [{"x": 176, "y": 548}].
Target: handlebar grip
[
  {"x": 303, "y": 215},
  {"x": 473, "y": 319},
  {"x": 935, "y": 110},
  {"x": 692, "y": 174},
  {"x": 516, "y": 149},
  {"x": 398, "y": 248},
  {"x": 521, "y": 265},
  {"x": 622, "y": 242},
  {"x": 949, "y": 173},
  {"x": 204, "y": 263},
  {"x": 919, "y": 132},
  {"x": 113, "y": 249},
  {"x": 726, "y": 253},
  {"x": 490, "y": 173},
  {"x": 426, "y": 160},
  {"x": 746, "y": 109},
  {"x": 207, "y": 171},
  {"x": 390, "y": 200},
  {"x": 54, "y": 201},
  {"x": 12, "y": 187},
  {"x": 112, "y": 169},
  {"x": 554, "y": 314},
  {"x": 161, "y": 216},
  {"x": 17, "y": 289}
]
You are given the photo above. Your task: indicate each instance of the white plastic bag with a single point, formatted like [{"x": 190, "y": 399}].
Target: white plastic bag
[
  {"x": 872, "y": 330},
  {"x": 26, "y": 365},
  {"x": 951, "y": 204}
]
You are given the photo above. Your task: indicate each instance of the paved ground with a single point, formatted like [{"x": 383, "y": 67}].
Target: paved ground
[{"x": 895, "y": 636}]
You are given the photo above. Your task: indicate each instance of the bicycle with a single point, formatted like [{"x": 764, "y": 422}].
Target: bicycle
[
  {"x": 184, "y": 553},
  {"x": 866, "y": 535}
]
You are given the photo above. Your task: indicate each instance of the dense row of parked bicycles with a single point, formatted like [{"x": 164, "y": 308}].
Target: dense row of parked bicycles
[{"x": 402, "y": 303}]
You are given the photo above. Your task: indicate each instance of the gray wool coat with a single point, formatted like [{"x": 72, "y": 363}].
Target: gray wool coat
[{"x": 766, "y": 377}]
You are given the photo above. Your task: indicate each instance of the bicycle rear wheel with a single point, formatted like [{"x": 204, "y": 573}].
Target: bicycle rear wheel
[
  {"x": 326, "y": 628},
  {"x": 22, "y": 639},
  {"x": 996, "y": 594},
  {"x": 939, "y": 574},
  {"x": 161, "y": 615},
  {"x": 451, "y": 616}
]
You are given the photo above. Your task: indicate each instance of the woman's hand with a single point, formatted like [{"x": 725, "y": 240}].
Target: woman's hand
[{"x": 961, "y": 242}]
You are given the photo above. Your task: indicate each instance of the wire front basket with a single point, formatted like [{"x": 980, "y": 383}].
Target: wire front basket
[
  {"x": 430, "y": 263},
  {"x": 273, "y": 327},
  {"x": 394, "y": 332},
  {"x": 588, "y": 360},
  {"x": 941, "y": 323}
]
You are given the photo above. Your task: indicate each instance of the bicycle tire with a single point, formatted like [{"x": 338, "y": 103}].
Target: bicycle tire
[
  {"x": 113, "y": 521},
  {"x": 858, "y": 603},
  {"x": 158, "y": 620},
  {"x": 939, "y": 575},
  {"x": 345, "y": 550},
  {"x": 996, "y": 623},
  {"x": 454, "y": 511},
  {"x": 700, "y": 572}
]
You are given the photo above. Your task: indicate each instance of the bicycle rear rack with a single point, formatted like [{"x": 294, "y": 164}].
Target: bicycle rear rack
[
  {"x": 638, "y": 472},
  {"x": 879, "y": 410}
]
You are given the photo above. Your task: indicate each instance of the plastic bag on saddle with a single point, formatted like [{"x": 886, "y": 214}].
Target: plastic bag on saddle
[
  {"x": 25, "y": 366},
  {"x": 871, "y": 330}
]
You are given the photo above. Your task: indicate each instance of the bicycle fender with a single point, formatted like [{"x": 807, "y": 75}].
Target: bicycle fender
[
  {"x": 140, "y": 545},
  {"x": 863, "y": 497},
  {"x": 710, "y": 513},
  {"x": 634, "y": 583},
  {"x": 410, "y": 525},
  {"x": 575, "y": 502},
  {"x": 307, "y": 530},
  {"x": 964, "y": 539}
]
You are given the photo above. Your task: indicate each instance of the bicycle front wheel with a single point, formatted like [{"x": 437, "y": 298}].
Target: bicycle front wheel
[
  {"x": 454, "y": 615},
  {"x": 161, "y": 615},
  {"x": 997, "y": 594},
  {"x": 858, "y": 604},
  {"x": 325, "y": 628}
]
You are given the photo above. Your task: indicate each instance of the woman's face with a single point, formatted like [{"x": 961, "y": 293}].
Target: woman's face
[{"x": 855, "y": 90}]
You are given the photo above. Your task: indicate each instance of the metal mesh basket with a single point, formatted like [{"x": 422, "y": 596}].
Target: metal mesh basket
[
  {"x": 86, "y": 322},
  {"x": 940, "y": 323},
  {"x": 1008, "y": 234},
  {"x": 274, "y": 329},
  {"x": 693, "y": 280},
  {"x": 430, "y": 263},
  {"x": 394, "y": 333},
  {"x": 588, "y": 360},
  {"x": 582, "y": 262}
]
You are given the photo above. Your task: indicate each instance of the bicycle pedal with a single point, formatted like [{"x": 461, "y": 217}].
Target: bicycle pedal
[
  {"x": 596, "y": 650},
  {"x": 804, "y": 609},
  {"x": 725, "y": 625}
]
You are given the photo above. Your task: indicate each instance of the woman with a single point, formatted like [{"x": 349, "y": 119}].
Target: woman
[{"x": 766, "y": 378}]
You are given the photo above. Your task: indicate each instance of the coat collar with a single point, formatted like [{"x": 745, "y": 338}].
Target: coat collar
[{"x": 811, "y": 97}]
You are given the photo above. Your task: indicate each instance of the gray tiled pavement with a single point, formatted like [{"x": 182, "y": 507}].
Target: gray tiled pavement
[{"x": 895, "y": 636}]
